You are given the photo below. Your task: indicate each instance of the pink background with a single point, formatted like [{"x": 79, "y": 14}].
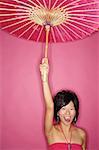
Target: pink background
[{"x": 73, "y": 65}]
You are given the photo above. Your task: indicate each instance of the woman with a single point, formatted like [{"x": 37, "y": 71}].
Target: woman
[{"x": 62, "y": 135}]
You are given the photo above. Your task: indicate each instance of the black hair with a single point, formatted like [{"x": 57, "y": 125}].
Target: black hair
[{"x": 62, "y": 98}]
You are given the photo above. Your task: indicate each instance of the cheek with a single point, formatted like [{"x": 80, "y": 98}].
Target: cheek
[
  {"x": 73, "y": 113},
  {"x": 61, "y": 113}
]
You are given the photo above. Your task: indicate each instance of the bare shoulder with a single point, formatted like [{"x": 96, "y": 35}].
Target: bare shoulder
[
  {"x": 82, "y": 132},
  {"x": 83, "y": 136}
]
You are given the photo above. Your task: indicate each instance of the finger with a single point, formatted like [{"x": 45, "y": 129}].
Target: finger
[
  {"x": 40, "y": 66},
  {"x": 45, "y": 60}
]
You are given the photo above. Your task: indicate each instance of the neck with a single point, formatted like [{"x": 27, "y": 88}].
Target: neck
[
  {"x": 67, "y": 133},
  {"x": 66, "y": 128}
]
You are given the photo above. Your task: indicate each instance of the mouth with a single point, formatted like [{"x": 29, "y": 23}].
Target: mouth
[{"x": 67, "y": 119}]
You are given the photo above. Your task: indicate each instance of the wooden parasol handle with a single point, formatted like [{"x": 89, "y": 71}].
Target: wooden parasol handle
[{"x": 47, "y": 28}]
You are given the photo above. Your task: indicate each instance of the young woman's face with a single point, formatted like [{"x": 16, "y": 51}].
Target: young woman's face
[{"x": 67, "y": 113}]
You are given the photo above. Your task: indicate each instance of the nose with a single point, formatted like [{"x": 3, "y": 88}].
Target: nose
[{"x": 67, "y": 112}]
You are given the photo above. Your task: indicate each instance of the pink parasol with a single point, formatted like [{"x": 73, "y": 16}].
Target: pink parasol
[{"x": 63, "y": 20}]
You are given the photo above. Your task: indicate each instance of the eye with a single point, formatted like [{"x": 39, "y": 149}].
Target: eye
[{"x": 72, "y": 108}]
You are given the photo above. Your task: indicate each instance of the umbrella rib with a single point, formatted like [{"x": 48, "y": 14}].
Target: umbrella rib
[
  {"x": 81, "y": 5},
  {"x": 40, "y": 34},
  {"x": 27, "y": 29},
  {"x": 85, "y": 10},
  {"x": 32, "y": 2},
  {"x": 40, "y": 3},
  {"x": 54, "y": 4},
  {"x": 59, "y": 34},
  {"x": 82, "y": 19},
  {"x": 23, "y": 3},
  {"x": 22, "y": 10},
  {"x": 13, "y": 24},
  {"x": 53, "y": 34},
  {"x": 32, "y": 32},
  {"x": 13, "y": 14},
  {"x": 71, "y": 3},
  {"x": 14, "y": 5},
  {"x": 66, "y": 32},
  {"x": 20, "y": 27},
  {"x": 49, "y": 4},
  {"x": 83, "y": 15},
  {"x": 64, "y": 24},
  {"x": 11, "y": 19},
  {"x": 77, "y": 28},
  {"x": 45, "y": 4},
  {"x": 61, "y": 3},
  {"x": 82, "y": 24}
]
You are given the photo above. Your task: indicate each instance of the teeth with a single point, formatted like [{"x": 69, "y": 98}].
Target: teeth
[{"x": 67, "y": 117}]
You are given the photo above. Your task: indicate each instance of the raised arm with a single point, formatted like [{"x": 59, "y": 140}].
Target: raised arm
[{"x": 49, "y": 107}]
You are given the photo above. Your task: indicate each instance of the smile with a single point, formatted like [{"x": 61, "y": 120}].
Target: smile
[{"x": 67, "y": 119}]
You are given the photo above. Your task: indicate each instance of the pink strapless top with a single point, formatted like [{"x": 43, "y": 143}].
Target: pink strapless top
[{"x": 64, "y": 146}]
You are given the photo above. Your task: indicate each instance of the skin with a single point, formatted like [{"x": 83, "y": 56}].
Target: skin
[
  {"x": 67, "y": 113},
  {"x": 53, "y": 132}
]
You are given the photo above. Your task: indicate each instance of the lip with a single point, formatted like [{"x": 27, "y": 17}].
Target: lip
[{"x": 67, "y": 118}]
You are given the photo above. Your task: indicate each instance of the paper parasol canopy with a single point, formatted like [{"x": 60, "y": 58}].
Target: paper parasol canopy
[{"x": 64, "y": 20}]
